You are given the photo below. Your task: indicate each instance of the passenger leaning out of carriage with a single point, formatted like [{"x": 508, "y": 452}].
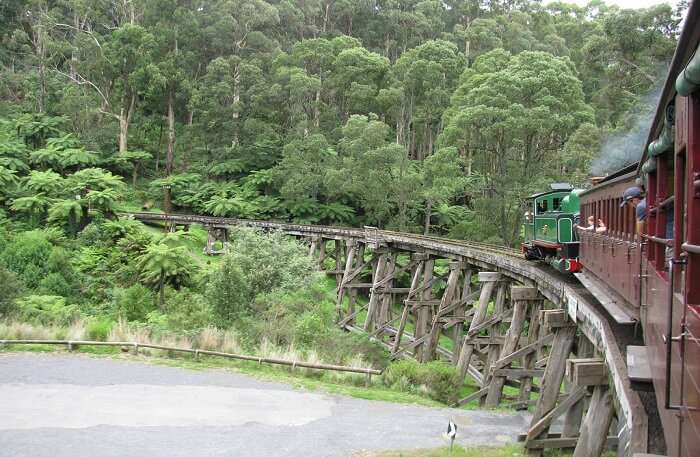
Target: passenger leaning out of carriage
[
  {"x": 635, "y": 197},
  {"x": 591, "y": 227}
]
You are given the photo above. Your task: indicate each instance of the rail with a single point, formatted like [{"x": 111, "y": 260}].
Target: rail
[
  {"x": 70, "y": 344},
  {"x": 665, "y": 241}
]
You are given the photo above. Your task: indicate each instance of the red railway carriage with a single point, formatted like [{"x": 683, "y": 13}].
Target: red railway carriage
[{"x": 654, "y": 277}]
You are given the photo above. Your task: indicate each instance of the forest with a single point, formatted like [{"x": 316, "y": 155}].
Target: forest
[{"x": 427, "y": 116}]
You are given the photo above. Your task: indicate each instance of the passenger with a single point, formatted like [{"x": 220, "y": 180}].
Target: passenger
[
  {"x": 590, "y": 227},
  {"x": 602, "y": 228},
  {"x": 635, "y": 197}
]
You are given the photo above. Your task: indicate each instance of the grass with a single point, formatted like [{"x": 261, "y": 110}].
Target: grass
[
  {"x": 457, "y": 451},
  {"x": 513, "y": 450},
  {"x": 348, "y": 384}
]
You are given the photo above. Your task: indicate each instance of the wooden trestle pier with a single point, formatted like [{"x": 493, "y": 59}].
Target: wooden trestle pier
[{"x": 502, "y": 321}]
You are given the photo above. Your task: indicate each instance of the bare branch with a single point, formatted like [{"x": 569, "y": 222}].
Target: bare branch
[{"x": 81, "y": 81}]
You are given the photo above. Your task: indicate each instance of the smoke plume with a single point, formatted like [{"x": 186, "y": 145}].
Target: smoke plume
[{"x": 620, "y": 149}]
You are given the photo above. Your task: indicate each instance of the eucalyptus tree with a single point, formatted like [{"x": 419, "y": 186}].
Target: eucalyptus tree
[
  {"x": 427, "y": 76},
  {"x": 118, "y": 70},
  {"x": 509, "y": 115},
  {"x": 372, "y": 171}
]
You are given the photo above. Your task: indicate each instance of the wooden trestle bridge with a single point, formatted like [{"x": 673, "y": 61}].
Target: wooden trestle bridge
[{"x": 510, "y": 322}]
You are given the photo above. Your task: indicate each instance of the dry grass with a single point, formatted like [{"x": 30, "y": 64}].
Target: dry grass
[{"x": 209, "y": 338}]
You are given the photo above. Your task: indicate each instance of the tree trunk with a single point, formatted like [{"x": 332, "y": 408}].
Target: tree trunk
[
  {"x": 428, "y": 213},
  {"x": 134, "y": 175},
  {"x": 325, "y": 17},
  {"x": 236, "y": 100},
  {"x": 317, "y": 109},
  {"x": 123, "y": 133},
  {"x": 167, "y": 200},
  {"x": 170, "y": 158}
]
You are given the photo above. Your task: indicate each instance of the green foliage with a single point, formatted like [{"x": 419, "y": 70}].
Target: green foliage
[
  {"x": 439, "y": 378},
  {"x": 258, "y": 263},
  {"x": 27, "y": 256},
  {"x": 98, "y": 329},
  {"x": 10, "y": 289},
  {"x": 160, "y": 264},
  {"x": 133, "y": 303},
  {"x": 188, "y": 311},
  {"x": 47, "y": 310}
]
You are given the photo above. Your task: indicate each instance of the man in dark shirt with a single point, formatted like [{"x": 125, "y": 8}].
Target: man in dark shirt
[{"x": 635, "y": 197}]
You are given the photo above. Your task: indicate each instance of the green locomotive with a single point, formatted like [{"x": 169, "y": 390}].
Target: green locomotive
[{"x": 550, "y": 227}]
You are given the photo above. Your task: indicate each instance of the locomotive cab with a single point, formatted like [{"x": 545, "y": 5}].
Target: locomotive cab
[{"x": 549, "y": 227}]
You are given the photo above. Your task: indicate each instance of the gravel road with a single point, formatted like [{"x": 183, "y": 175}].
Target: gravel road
[{"x": 72, "y": 405}]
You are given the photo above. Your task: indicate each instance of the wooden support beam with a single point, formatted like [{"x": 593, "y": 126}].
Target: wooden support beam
[
  {"x": 322, "y": 253},
  {"x": 574, "y": 415},
  {"x": 378, "y": 274},
  {"x": 417, "y": 273},
  {"x": 351, "y": 247},
  {"x": 539, "y": 427},
  {"x": 563, "y": 443},
  {"x": 586, "y": 372},
  {"x": 385, "y": 295},
  {"x": 424, "y": 313},
  {"x": 556, "y": 318},
  {"x": 447, "y": 297},
  {"x": 489, "y": 281},
  {"x": 533, "y": 335},
  {"x": 596, "y": 425},
  {"x": 522, "y": 298},
  {"x": 460, "y": 311},
  {"x": 553, "y": 374},
  {"x": 474, "y": 396},
  {"x": 514, "y": 373},
  {"x": 525, "y": 350},
  {"x": 495, "y": 332}
]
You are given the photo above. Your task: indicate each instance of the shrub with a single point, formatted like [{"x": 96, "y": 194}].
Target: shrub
[
  {"x": 439, "y": 379},
  {"x": 27, "y": 255},
  {"x": 10, "y": 288},
  {"x": 98, "y": 330},
  {"x": 259, "y": 263},
  {"x": 55, "y": 284},
  {"x": 188, "y": 311},
  {"x": 133, "y": 303},
  {"x": 47, "y": 310}
]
